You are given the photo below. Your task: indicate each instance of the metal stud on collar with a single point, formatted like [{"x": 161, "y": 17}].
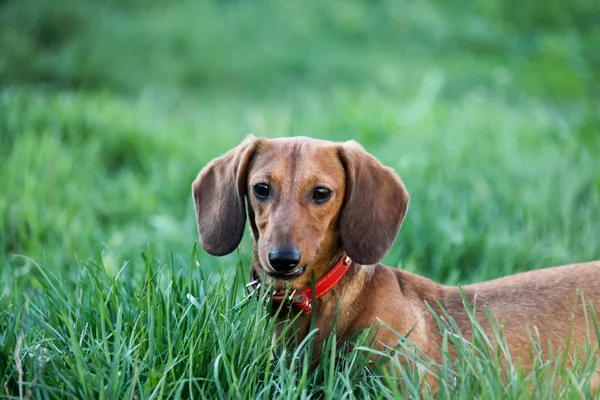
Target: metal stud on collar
[{"x": 347, "y": 260}]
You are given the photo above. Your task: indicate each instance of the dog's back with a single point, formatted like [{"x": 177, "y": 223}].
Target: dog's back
[{"x": 550, "y": 306}]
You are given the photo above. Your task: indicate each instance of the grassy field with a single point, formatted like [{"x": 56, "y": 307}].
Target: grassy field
[{"x": 489, "y": 112}]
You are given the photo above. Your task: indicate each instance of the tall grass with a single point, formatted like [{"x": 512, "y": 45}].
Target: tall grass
[{"x": 174, "y": 334}]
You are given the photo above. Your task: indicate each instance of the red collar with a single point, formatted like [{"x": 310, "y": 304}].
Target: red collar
[{"x": 301, "y": 300}]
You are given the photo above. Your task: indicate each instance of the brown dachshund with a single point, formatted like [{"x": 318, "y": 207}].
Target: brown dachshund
[{"x": 332, "y": 211}]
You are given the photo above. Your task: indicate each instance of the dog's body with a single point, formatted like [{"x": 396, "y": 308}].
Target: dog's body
[
  {"x": 311, "y": 201},
  {"x": 543, "y": 302}
]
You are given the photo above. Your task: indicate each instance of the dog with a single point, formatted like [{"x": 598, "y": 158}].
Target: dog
[{"x": 330, "y": 211}]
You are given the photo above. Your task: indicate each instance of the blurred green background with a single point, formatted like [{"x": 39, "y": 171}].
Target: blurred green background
[{"x": 489, "y": 111}]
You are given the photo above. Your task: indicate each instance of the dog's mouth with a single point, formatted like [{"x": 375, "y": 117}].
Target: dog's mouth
[{"x": 289, "y": 275}]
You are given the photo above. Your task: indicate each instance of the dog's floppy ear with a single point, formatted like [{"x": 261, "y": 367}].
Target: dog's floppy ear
[
  {"x": 374, "y": 206},
  {"x": 218, "y": 193}
]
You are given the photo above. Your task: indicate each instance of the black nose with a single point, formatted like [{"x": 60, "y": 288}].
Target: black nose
[{"x": 284, "y": 259}]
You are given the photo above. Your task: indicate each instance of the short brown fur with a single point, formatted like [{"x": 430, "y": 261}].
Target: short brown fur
[{"x": 362, "y": 218}]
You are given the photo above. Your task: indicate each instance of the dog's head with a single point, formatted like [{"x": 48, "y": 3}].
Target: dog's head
[{"x": 308, "y": 201}]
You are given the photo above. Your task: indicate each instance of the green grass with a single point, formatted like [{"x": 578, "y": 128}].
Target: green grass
[{"x": 488, "y": 112}]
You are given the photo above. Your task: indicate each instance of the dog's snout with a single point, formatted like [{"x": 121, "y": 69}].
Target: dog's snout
[{"x": 284, "y": 259}]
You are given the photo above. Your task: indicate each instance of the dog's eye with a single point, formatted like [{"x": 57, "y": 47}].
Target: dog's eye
[
  {"x": 321, "y": 194},
  {"x": 261, "y": 190}
]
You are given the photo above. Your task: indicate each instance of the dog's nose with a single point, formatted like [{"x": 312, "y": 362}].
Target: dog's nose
[{"x": 284, "y": 259}]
